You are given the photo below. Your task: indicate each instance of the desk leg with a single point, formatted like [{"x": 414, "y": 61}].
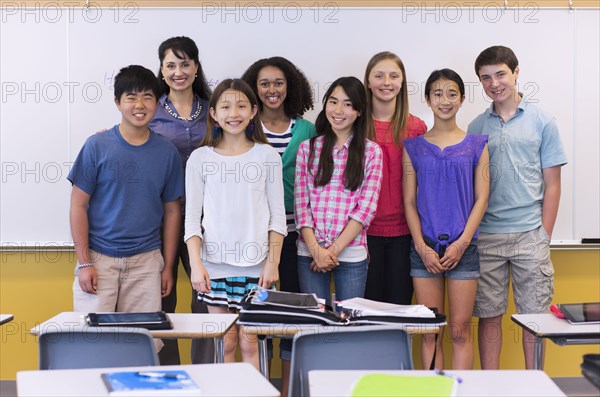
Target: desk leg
[
  {"x": 263, "y": 362},
  {"x": 538, "y": 353},
  {"x": 219, "y": 350}
]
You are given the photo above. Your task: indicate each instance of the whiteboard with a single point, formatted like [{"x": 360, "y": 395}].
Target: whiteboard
[{"x": 57, "y": 66}]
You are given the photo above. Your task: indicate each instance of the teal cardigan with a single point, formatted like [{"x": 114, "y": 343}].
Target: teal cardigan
[{"x": 302, "y": 131}]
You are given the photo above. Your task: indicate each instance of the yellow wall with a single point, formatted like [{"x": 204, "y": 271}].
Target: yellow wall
[{"x": 35, "y": 286}]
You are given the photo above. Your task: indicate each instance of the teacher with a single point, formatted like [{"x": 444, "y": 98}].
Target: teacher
[{"x": 181, "y": 118}]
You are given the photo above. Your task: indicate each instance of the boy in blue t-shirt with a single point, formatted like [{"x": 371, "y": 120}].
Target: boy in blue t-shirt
[
  {"x": 127, "y": 184},
  {"x": 526, "y": 156}
]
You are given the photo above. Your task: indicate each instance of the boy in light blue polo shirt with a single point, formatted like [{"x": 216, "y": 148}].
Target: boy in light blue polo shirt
[{"x": 526, "y": 156}]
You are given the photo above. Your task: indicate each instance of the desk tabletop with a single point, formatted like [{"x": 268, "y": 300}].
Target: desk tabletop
[
  {"x": 547, "y": 325},
  {"x": 293, "y": 329},
  {"x": 185, "y": 325},
  {"x": 233, "y": 379},
  {"x": 525, "y": 383}
]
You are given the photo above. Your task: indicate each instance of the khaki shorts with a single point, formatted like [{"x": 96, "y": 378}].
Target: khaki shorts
[
  {"x": 131, "y": 284},
  {"x": 527, "y": 256}
]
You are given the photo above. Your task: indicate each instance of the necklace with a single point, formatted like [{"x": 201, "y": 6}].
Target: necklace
[{"x": 177, "y": 116}]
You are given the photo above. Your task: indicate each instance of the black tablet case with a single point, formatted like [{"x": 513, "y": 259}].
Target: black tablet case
[{"x": 140, "y": 320}]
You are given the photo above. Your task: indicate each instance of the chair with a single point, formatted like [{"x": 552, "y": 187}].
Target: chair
[
  {"x": 360, "y": 347},
  {"x": 96, "y": 347}
]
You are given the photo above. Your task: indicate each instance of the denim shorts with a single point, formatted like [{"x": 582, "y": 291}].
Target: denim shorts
[{"x": 467, "y": 268}]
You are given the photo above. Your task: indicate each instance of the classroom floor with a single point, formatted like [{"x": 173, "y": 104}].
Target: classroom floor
[{"x": 8, "y": 388}]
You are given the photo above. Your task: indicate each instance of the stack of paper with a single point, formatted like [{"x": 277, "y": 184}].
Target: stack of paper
[{"x": 361, "y": 307}]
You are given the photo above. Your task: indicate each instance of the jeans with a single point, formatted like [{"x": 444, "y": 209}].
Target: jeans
[{"x": 349, "y": 279}]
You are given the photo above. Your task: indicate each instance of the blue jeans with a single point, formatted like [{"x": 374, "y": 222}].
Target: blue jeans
[{"x": 349, "y": 279}]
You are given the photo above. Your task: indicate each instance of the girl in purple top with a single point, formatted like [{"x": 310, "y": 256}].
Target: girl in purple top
[{"x": 445, "y": 191}]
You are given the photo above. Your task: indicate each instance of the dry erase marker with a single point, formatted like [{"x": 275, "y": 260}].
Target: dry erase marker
[
  {"x": 458, "y": 379},
  {"x": 159, "y": 375}
]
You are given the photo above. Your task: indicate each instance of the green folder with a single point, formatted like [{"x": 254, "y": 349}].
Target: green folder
[{"x": 381, "y": 385}]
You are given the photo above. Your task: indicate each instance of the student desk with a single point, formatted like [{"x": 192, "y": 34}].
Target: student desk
[
  {"x": 232, "y": 379},
  {"x": 287, "y": 331},
  {"x": 558, "y": 330},
  {"x": 4, "y": 318},
  {"x": 475, "y": 383},
  {"x": 185, "y": 325}
]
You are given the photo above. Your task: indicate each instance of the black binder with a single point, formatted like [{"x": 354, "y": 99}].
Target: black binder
[
  {"x": 590, "y": 368},
  {"x": 253, "y": 313}
]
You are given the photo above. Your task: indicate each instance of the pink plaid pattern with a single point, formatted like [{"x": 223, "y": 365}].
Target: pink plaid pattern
[{"x": 327, "y": 209}]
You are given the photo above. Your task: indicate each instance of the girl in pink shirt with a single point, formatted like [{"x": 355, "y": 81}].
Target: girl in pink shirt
[
  {"x": 388, "y": 124},
  {"x": 338, "y": 177}
]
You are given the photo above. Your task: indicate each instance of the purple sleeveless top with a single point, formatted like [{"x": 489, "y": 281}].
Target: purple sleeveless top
[{"x": 445, "y": 182}]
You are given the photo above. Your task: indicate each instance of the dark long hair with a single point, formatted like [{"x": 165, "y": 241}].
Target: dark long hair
[
  {"x": 182, "y": 46},
  {"x": 354, "y": 172},
  {"x": 299, "y": 98}
]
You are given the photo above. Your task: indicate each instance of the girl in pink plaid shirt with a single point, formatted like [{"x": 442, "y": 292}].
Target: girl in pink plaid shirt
[{"x": 338, "y": 177}]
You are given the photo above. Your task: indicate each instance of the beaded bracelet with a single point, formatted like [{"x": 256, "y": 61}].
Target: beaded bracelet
[{"x": 82, "y": 265}]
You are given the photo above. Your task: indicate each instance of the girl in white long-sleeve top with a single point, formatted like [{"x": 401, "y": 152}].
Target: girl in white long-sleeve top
[{"x": 235, "y": 217}]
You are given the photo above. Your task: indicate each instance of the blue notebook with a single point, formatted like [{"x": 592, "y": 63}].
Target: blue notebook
[{"x": 150, "y": 383}]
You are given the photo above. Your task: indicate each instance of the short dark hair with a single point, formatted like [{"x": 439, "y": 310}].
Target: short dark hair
[
  {"x": 447, "y": 74},
  {"x": 135, "y": 78},
  {"x": 496, "y": 55},
  {"x": 182, "y": 46},
  {"x": 299, "y": 97}
]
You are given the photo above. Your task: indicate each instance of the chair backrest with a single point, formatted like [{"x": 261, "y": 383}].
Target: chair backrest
[
  {"x": 361, "y": 347},
  {"x": 96, "y": 347}
]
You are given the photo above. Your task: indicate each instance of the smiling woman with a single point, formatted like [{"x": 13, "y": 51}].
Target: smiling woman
[{"x": 181, "y": 118}]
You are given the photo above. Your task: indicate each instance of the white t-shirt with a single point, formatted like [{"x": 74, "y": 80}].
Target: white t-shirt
[{"x": 241, "y": 198}]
